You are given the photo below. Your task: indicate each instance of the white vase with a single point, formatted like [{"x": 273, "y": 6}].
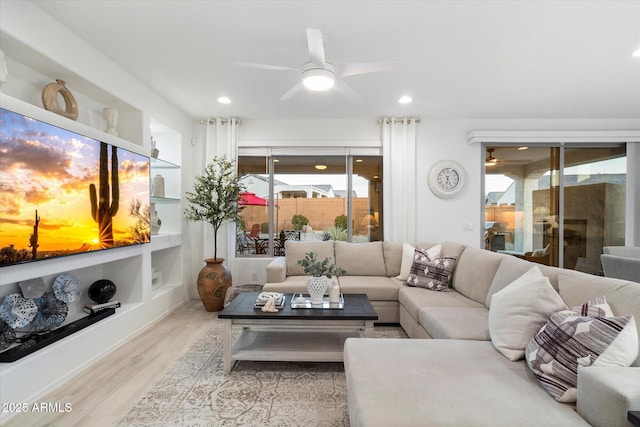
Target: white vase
[
  {"x": 157, "y": 186},
  {"x": 317, "y": 287}
]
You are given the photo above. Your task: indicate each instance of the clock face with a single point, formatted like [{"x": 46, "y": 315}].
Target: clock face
[{"x": 446, "y": 178}]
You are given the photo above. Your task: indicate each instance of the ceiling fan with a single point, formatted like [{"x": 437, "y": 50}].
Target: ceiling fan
[
  {"x": 318, "y": 74},
  {"x": 490, "y": 160}
]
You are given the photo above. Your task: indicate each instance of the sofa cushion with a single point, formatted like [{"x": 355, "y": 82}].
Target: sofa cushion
[
  {"x": 413, "y": 299},
  {"x": 459, "y": 323},
  {"x": 296, "y": 251},
  {"x": 293, "y": 284},
  {"x": 510, "y": 269},
  {"x": 622, "y": 296},
  {"x": 423, "y": 382},
  {"x": 392, "y": 257},
  {"x": 474, "y": 273},
  {"x": 408, "y": 254},
  {"x": 377, "y": 288},
  {"x": 361, "y": 259},
  {"x": 570, "y": 341},
  {"x": 519, "y": 310},
  {"x": 431, "y": 273}
]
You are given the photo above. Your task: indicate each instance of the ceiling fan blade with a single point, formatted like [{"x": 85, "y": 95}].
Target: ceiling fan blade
[
  {"x": 315, "y": 46},
  {"x": 291, "y": 92},
  {"x": 352, "y": 69},
  {"x": 266, "y": 66},
  {"x": 346, "y": 90}
]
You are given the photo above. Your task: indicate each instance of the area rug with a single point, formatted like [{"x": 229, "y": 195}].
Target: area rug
[{"x": 195, "y": 392}]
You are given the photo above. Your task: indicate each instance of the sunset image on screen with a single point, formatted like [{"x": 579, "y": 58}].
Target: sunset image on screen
[{"x": 63, "y": 193}]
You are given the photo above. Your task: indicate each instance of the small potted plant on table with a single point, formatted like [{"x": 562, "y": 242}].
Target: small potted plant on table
[{"x": 320, "y": 271}]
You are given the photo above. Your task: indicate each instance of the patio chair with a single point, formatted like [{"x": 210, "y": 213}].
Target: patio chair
[
  {"x": 255, "y": 231},
  {"x": 244, "y": 244},
  {"x": 621, "y": 262}
]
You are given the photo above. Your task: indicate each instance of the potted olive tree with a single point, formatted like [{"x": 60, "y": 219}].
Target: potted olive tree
[{"x": 215, "y": 200}]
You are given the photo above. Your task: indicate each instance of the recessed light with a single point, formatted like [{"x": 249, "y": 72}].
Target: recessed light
[
  {"x": 405, "y": 100},
  {"x": 523, "y": 148},
  {"x": 359, "y": 160},
  {"x": 224, "y": 100},
  {"x": 321, "y": 167},
  {"x": 636, "y": 54}
]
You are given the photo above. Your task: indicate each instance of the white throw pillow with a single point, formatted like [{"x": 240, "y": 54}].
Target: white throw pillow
[
  {"x": 519, "y": 311},
  {"x": 407, "y": 259}
]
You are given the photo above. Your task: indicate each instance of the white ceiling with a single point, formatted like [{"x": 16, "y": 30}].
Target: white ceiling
[{"x": 471, "y": 59}]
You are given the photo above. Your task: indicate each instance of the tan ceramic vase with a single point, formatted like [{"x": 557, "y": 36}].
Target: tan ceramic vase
[{"x": 213, "y": 281}]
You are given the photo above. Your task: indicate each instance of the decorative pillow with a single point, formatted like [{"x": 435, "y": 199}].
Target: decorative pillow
[
  {"x": 519, "y": 310},
  {"x": 431, "y": 274},
  {"x": 571, "y": 340},
  {"x": 408, "y": 252}
]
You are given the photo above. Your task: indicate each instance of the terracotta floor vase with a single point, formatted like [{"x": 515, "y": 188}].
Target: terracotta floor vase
[{"x": 213, "y": 281}]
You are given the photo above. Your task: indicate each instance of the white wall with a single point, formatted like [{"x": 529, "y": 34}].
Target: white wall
[{"x": 438, "y": 219}]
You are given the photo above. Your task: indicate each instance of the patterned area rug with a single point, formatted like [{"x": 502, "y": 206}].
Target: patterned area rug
[{"x": 195, "y": 392}]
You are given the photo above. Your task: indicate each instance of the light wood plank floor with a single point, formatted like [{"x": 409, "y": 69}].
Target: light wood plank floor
[{"x": 101, "y": 395}]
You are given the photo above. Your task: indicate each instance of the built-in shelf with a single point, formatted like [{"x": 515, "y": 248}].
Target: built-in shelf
[
  {"x": 36, "y": 342},
  {"x": 163, "y": 164},
  {"x": 156, "y": 199}
]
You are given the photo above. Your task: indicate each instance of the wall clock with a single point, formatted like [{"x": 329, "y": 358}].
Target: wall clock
[{"x": 446, "y": 178}]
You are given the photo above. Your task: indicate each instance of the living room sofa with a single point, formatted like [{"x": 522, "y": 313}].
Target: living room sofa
[{"x": 455, "y": 372}]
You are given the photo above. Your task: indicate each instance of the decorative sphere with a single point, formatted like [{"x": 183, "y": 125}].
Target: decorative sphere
[{"x": 102, "y": 291}]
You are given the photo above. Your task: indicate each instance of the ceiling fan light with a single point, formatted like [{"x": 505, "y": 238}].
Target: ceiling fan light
[{"x": 318, "y": 79}]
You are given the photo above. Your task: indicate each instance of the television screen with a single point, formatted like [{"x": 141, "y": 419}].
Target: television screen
[{"x": 63, "y": 193}]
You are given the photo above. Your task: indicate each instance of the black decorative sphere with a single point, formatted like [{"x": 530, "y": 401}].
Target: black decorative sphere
[{"x": 102, "y": 291}]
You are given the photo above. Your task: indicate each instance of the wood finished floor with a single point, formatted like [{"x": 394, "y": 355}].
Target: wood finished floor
[{"x": 101, "y": 395}]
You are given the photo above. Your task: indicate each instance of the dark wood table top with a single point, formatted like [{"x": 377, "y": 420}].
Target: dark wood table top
[
  {"x": 356, "y": 307},
  {"x": 634, "y": 417}
]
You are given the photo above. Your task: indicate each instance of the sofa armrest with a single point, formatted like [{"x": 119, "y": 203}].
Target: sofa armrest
[
  {"x": 607, "y": 393},
  {"x": 277, "y": 270}
]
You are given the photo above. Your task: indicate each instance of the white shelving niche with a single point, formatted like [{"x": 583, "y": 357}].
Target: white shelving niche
[
  {"x": 133, "y": 268},
  {"x": 166, "y": 258}
]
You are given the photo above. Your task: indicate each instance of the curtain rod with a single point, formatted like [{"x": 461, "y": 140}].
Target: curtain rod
[
  {"x": 394, "y": 121},
  {"x": 222, "y": 122}
]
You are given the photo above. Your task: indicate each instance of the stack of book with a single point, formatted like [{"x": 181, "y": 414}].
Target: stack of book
[
  {"x": 96, "y": 308},
  {"x": 264, "y": 297}
]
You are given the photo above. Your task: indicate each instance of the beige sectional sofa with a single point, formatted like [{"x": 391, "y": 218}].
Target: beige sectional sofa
[{"x": 453, "y": 373}]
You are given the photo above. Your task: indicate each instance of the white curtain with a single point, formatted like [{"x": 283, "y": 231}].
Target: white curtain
[
  {"x": 222, "y": 140},
  {"x": 399, "y": 169}
]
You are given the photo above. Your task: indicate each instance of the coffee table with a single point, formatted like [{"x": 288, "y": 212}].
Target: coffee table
[{"x": 293, "y": 334}]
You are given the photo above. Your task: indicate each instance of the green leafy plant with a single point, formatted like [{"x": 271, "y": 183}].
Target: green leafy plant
[
  {"x": 337, "y": 233},
  {"x": 319, "y": 268},
  {"x": 215, "y": 197},
  {"x": 297, "y": 221},
  {"x": 340, "y": 221}
]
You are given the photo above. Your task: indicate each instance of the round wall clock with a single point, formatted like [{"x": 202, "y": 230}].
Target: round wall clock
[{"x": 446, "y": 178}]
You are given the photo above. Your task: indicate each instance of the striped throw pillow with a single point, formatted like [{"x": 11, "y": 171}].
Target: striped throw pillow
[{"x": 587, "y": 335}]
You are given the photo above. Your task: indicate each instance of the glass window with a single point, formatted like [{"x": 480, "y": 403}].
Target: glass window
[
  {"x": 314, "y": 198},
  {"x": 594, "y": 204},
  {"x": 532, "y": 197}
]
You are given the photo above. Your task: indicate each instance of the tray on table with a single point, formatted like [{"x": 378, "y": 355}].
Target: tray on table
[{"x": 304, "y": 301}]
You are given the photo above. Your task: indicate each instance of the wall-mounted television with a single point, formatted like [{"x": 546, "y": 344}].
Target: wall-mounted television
[{"x": 64, "y": 193}]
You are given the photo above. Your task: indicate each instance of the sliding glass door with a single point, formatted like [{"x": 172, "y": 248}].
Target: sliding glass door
[
  {"x": 555, "y": 205},
  {"x": 308, "y": 198}
]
